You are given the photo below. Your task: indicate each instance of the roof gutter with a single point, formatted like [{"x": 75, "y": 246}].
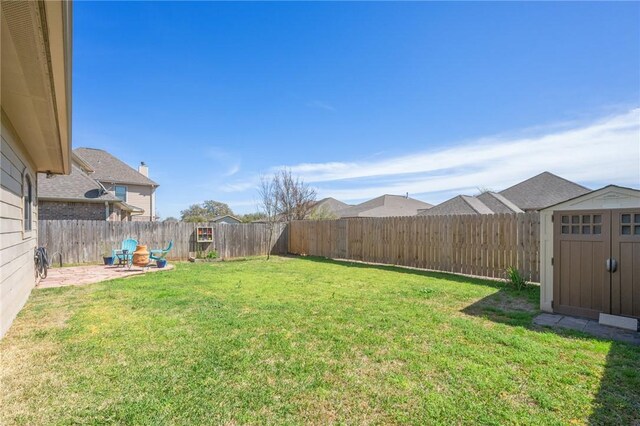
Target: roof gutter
[
  {"x": 78, "y": 200},
  {"x": 135, "y": 211}
]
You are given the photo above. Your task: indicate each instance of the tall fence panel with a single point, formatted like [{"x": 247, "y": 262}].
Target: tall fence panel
[
  {"x": 83, "y": 241},
  {"x": 483, "y": 245}
]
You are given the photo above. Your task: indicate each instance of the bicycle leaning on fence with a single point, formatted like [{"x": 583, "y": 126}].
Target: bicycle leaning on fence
[{"x": 41, "y": 262}]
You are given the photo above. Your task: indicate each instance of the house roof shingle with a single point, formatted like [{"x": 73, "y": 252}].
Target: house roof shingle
[
  {"x": 385, "y": 206},
  {"x": 75, "y": 186},
  {"x": 543, "y": 190},
  {"x": 498, "y": 203},
  {"x": 108, "y": 168},
  {"x": 460, "y": 204},
  {"x": 331, "y": 205},
  {"x": 218, "y": 218}
]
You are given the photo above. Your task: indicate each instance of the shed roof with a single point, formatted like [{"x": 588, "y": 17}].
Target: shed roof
[
  {"x": 108, "y": 168},
  {"x": 612, "y": 189},
  {"x": 218, "y": 218}
]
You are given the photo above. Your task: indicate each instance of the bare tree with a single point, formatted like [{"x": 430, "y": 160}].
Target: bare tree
[
  {"x": 283, "y": 198},
  {"x": 483, "y": 189},
  {"x": 295, "y": 199},
  {"x": 268, "y": 205}
]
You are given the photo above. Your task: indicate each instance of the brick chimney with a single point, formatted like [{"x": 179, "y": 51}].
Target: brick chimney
[{"x": 143, "y": 169}]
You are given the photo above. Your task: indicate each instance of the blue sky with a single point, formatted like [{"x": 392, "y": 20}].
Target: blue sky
[{"x": 359, "y": 99}]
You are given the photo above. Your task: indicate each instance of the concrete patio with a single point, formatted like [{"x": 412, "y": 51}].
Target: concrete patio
[
  {"x": 81, "y": 275},
  {"x": 588, "y": 326}
]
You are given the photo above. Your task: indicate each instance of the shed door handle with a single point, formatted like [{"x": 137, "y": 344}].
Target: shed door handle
[{"x": 612, "y": 265}]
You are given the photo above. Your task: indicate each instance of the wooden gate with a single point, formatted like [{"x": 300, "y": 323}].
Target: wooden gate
[{"x": 596, "y": 266}]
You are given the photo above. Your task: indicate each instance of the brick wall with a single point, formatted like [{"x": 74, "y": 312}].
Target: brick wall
[{"x": 59, "y": 210}]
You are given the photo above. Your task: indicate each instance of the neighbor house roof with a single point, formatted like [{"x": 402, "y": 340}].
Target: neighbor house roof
[
  {"x": 108, "y": 168},
  {"x": 76, "y": 186},
  {"x": 218, "y": 218},
  {"x": 385, "y": 206},
  {"x": 129, "y": 207},
  {"x": 498, "y": 203},
  {"x": 331, "y": 205},
  {"x": 460, "y": 204},
  {"x": 543, "y": 190}
]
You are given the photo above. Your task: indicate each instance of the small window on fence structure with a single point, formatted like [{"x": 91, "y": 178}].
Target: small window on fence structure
[{"x": 204, "y": 234}]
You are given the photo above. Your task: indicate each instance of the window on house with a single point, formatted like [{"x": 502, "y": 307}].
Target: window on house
[
  {"x": 121, "y": 192},
  {"x": 28, "y": 203}
]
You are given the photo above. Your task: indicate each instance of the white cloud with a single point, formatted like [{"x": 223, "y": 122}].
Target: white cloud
[
  {"x": 321, "y": 105},
  {"x": 239, "y": 186},
  {"x": 605, "y": 151},
  {"x": 228, "y": 162}
]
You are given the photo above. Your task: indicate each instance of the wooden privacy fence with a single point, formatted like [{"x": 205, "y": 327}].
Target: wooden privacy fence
[
  {"x": 81, "y": 241},
  {"x": 483, "y": 245}
]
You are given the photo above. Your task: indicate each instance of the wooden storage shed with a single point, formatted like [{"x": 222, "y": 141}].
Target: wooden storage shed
[{"x": 590, "y": 254}]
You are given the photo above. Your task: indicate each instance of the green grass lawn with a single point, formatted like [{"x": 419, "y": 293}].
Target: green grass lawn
[{"x": 298, "y": 341}]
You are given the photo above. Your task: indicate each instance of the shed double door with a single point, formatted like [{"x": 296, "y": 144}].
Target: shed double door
[{"x": 596, "y": 265}]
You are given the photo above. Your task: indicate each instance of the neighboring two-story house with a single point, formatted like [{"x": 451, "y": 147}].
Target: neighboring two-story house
[
  {"x": 78, "y": 196},
  {"x": 100, "y": 187}
]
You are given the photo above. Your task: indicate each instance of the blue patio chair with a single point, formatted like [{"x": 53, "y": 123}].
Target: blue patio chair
[
  {"x": 118, "y": 255},
  {"x": 159, "y": 254}
]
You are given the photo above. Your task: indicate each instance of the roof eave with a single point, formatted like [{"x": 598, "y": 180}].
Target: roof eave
[
  {"x": 76, "y": 200},
  {"x": 126, "y": 182},
  {"x": 40, "y": 117}
]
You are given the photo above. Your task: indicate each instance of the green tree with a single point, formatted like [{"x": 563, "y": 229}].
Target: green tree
[
  {"x": 205, "y": 212},
  {"x": 250, "y": 217},
  {"x": 217, "y": 208}
]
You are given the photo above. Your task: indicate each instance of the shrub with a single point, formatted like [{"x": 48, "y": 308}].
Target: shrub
[
  {"x": 515, "y": 278},
  {"x": 213, "y": 254}
]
